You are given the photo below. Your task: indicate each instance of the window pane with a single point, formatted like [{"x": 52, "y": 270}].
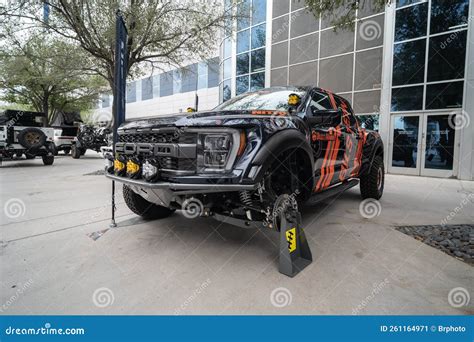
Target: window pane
[
  {"x": 259, "y": 11},
  {"x": 439, "y": 142},
  {"x": 409, "y": 62},
  {"x": 408, "y": 98},
  {"x": 279, "y": 77},
  {"x": 304, "y": 49},
  {"x": 444, "y": 95},
  {"x": 280, "y": 7},
  {"x": 447, "y": 56},
  {"x": 367, "y": 101},
  {"x": 369, "y": 122},
  {"x": 226, "y": 92},
  {"x": 166, "y": 84},
  {"x": 405, "y": 141},
  {"x": 319, "y": 101},
  {"x": 279, "y": 55},
  {"x": 258, "y": 36},
  {"x": 368, "y": 69},
  {"x": 227, "y": 47},
  {"x": 243, "y": 63},
  {"x": 147, "y": 88},
  {"x": 227, "y": 68},
  {"x": 242, "y": 85},
  {"x": 280, "y": 29},
  {"x": 131, "y": 92},
  {"x": 189, "y": 78},
  {"x": 257, "y": 81},
  {"x": 401, "y": 3},
  {"x": 177, "y": 82},
  {"x": 243, "y": 41},
  {"x": 213, "y": 72},
  {"x": 411, "y": 22},
  {"x": 202, "y": 75},
  {"x": 304, "y": 74},
  {"x": 243, "y": 13},
  {"x": 447, "y": 14},
  {"x": 258, "y": 60}
]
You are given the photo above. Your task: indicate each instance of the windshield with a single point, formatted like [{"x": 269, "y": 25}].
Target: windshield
[{"x": 266, "y": 99}]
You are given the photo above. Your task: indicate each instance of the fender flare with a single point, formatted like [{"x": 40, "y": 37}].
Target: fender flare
[
  {"x": 374, "y": 148},
  {"x": 278, "y": 144}
]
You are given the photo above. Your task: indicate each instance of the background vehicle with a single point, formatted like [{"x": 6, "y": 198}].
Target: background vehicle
[
  {"x": 22, "y": 134},
  {"x": 233, "y": 162},
  {"x": 89, "y": 138},
  {"x": 64, "y": 137}
]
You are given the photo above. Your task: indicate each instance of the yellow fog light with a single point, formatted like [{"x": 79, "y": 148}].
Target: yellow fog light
[
  {"x": 118, "y": 165},
  {"x": 132, "y": 167},
  {"x": 294, "y": 99}
]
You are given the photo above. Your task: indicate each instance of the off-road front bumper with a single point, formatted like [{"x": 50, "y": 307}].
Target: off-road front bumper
[{"x": 182, "y": 186}]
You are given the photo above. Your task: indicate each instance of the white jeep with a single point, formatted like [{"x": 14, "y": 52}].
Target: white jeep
[{"x": 22, "y": 134}]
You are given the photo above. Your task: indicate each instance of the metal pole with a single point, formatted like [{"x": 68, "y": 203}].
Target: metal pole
[{"x": 120, "y": 75}]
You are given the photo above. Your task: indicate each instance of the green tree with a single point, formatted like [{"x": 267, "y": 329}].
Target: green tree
[
  {"x": 159, "y": 32},
  {"x": 47, "y": 75},
  {"x": 342, "y": 13}
]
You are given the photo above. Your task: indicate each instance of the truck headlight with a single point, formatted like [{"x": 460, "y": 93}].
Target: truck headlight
[{"x": 217, "y": 150}]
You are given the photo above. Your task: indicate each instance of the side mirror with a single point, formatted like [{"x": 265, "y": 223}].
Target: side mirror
[{"x": 325, "y": 118}]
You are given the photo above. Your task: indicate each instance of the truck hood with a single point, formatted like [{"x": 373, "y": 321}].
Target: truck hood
[{"x": 204, "y": 119}]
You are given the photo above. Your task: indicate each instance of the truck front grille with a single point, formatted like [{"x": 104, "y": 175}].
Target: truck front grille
[{"x": 159, "y": 137}]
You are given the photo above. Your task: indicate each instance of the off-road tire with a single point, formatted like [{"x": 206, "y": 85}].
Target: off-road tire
[
  {"x": 31, "y": 138},
  {"x": 143, "y": 208},
  {"x": 75, "y": 152},
  {"x": 372, "y": 183},
  {"x": 48, "y": 160}
]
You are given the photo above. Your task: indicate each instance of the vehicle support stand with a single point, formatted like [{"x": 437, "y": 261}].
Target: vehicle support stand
[{"x": 295, "y": 253}]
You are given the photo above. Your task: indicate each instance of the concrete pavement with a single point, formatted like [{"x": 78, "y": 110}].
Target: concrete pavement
[{"x": 51, "y": 265}]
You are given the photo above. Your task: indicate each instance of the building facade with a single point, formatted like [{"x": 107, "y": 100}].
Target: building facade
[{"x": 407, "y": 70}]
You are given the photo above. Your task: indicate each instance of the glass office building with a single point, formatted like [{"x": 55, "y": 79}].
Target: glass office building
[{"x": 408, "y": 71}]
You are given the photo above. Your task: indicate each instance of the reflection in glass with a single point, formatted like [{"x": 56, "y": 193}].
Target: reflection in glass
[
  {"x": 369, "y": 122},
  {"x": 447, "y": 14},
  {"x": 226, "y": 90},
  {"x": 444, "y": 95},
  {"x": 258, "y": 11},
  {"x": 242, "y": 85},
  {"x": 409, "y": 62},
  {"x": 439, "y": 143},
  {"x": 405, "y": 141},
  {"x": 407, "y": 98},
  {"x": 257, "y": 81},
  {"x": 243, "y": 39},
  {"x": 447, "y": 56},
  {"x": 411, "y": 22},
  {"x": 243, "y": 63},
  {"x": 258, "y": 36},
  {"x": 243, "y": 14},
  {"x": 227, "y": 68},
  {"x": 258, "y": 60}
]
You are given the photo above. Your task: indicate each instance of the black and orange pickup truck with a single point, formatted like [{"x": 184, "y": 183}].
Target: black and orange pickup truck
[{"x": 232, "y": 163}]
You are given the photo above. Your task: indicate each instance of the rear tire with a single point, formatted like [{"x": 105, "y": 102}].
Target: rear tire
[
  {"x": 48, "y": 160},
  {"x": 143, "y": 208},
  {"x": 372, "y": 183},
  {"x": 75, "y": 152}
]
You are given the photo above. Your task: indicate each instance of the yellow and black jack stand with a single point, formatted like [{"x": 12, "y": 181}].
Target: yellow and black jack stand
[{"x": 295, "y": 253}]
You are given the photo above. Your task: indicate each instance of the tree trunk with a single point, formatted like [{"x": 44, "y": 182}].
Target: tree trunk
[{"x": 45, "y": 108}]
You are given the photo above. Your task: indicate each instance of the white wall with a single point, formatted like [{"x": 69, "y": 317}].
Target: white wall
[{"x": 208, "y": 99}]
